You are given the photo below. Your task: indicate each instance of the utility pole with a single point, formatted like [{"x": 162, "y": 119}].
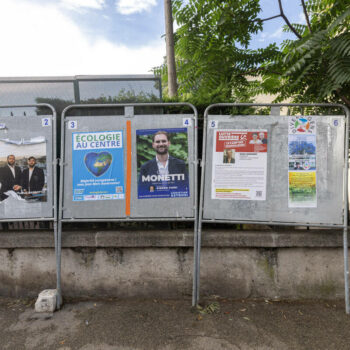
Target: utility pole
[{"x": 170, "y": 52}]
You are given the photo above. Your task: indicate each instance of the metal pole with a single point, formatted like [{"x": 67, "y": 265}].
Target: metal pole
[
  {"x": 200, "y": 215},
  {"x": 58, "y": 265},
  {"x": 60, "y": 210},
  {"x": 110, "y": 105},
  {"x": 346, "y": 269},
  {"x": 55, "y": 223},
  {"x": 195, "y": 228},
  {"x": 345, "y": 233}
]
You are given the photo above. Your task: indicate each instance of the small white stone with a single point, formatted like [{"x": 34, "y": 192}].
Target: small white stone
[{"x": 46, "y": 301}]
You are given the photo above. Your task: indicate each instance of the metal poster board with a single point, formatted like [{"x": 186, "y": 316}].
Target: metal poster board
[
  {"x": 128, "y": 167},
  {"x": 27, "y": 159},
  {"x": 274, "y": 170},
  {"x": 28, "y": 166}
]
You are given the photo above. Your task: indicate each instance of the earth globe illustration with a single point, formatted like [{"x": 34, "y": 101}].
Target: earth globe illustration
[{"x": 98, "y": 163}]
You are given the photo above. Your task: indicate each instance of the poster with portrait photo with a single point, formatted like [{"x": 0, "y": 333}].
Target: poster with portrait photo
[
  {"x": 239, "y": 169},
  {"x": 229, "y": 156},
  {"x": 162, "y": 163},
  {"x": 23, "y": 170}
]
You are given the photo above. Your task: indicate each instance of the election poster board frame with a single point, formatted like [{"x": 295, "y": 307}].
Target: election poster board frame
[
  {"x": 47, "y": 122},
  {"x": 132, "y": 126},
  {"x": 229, "y": 122}
]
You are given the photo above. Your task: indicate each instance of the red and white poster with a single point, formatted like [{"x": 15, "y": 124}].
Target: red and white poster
[{"x": 239, "y": 165}]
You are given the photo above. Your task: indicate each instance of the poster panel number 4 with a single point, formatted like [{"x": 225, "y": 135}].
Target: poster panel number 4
[{"x": 186, "y": 122}]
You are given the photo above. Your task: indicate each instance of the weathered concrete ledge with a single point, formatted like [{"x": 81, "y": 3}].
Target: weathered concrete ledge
[
  {"x": 316, "y": 238},
  {"x": 167, "y": 272},
  {"x": 286, "y": 263}
]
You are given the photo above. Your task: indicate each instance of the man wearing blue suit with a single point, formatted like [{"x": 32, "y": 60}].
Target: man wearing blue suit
[{"x": 164, "y": 169}]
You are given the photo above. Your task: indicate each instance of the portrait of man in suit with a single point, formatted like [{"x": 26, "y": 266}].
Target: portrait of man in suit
[
  {"x": 164, "y": 173},
  {"x": 33, "y": 178},
  {"x": 11, "y": 175},
  {"x": 163, "y": 163}
]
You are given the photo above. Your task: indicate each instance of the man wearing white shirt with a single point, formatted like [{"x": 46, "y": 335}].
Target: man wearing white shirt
[{"x": 163, "y": 164}]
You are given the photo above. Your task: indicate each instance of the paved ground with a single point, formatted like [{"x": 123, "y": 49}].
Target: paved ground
[{"x": 115, "y": 324}]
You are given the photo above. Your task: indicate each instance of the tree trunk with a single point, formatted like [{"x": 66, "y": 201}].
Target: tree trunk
[{"x": 170, "y": 54}]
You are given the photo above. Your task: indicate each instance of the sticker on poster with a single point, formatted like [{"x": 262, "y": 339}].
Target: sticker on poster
[
  {"x": 98, "y": 166},
  {"x": 302, "y": 125},
  {"x": 23, "y": 170},
  {"x": 162, "y": 169},
  {"x": 239, "y": 165}
]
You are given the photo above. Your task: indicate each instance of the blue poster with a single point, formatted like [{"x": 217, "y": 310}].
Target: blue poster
[
  {"x": 162, "y": 169},
  {"x": 98, "y": 165}
]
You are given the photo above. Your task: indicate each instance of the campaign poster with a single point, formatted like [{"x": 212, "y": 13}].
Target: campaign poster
[
  {"x": 162, "y": 163},
  {"x": 302, "y": 189},
  {"x": 98, "y": 165},
  {"x": 239, "y": 165},
  {"x": 23, "y": 170}
]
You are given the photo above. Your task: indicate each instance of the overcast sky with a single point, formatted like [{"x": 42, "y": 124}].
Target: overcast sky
[{"x": 74, "y": 37}]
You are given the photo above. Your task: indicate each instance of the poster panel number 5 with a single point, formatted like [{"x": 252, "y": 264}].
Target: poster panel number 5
[
  {"x": 72, "y": 124},
  {"x": 213, "y": 124}
]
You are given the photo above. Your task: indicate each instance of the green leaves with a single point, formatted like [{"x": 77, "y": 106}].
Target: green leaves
[
  {"x": 316, "y": 68},
  {"x": 214, "y": 64},
  {"x": 211, "y": 48}
]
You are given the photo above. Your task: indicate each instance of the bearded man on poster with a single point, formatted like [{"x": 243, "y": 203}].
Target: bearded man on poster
[
  {"x": 11, "y": 175},
  {"x": 33, "y": 178},
  {"x": 163, "y": 164}
]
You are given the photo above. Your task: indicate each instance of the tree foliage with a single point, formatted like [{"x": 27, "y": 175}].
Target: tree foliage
[
  {"x": 211, "y": 48},
  {"x": 215, "y": 64},
  {"x": 316, "y": 67}
]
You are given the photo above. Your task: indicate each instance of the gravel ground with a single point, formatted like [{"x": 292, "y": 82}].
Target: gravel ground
[{"x": 132, "y": 324}]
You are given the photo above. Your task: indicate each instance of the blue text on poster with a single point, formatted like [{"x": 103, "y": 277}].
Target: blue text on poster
[{"x": 98, "y": 165}]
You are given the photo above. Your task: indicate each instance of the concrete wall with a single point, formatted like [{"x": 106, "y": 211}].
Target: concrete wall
[{"x": 237, "y": 264}]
